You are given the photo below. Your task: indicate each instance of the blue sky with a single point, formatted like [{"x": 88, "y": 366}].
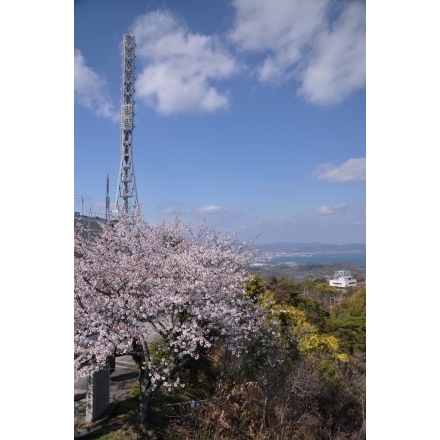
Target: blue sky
[
  {"x": 249, "y": 115},
  {"x": 43, "y": 131}
]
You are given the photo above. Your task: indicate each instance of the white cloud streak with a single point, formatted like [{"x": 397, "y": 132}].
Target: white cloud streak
[
  {"x": 354, "y": 170},
  {"x": 209, "y": 209},
  {"x": 319, "y": 43},
  {"x": 90, "y": 90},
  {"x": 180, "y": 67},
  {"x": 331, "y": 209}
]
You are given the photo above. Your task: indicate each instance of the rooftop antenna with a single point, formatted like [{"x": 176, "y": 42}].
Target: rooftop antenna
[{"x": 126, "y": 197}]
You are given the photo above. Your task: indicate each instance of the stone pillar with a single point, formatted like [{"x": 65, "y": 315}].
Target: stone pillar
[{"x": 98, "y": 394}]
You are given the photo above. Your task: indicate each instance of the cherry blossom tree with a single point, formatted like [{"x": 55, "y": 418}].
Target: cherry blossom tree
[{"x": 175, "y": 286}]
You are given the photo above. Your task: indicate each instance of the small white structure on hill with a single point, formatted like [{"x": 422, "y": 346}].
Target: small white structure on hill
[{"x": 343, "y": 278}]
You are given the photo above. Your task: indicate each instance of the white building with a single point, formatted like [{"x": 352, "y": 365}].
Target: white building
[{"x": 343, "y": 278}]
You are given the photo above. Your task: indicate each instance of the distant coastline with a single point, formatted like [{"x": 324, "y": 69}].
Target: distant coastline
[
  {"x": 315, "y": 259},
  {"x": 356, "y": 258}
]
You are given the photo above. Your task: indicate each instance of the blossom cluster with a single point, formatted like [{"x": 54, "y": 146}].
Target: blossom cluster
[{"x": 135, "y": 283}]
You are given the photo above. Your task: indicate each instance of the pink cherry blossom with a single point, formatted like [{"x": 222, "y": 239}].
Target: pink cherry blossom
[{"x": 139, "y": 286}]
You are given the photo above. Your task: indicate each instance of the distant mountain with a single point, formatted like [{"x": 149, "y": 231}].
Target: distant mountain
[{"x": 286, "y": 247}]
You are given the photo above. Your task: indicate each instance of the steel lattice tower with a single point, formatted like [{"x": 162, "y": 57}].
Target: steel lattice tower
[{"x": 126, "y": 197}]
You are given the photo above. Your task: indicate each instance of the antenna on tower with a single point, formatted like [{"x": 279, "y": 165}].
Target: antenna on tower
[
  {"x": 107, "y": 201},
  {"x": 126, "y": 197}
]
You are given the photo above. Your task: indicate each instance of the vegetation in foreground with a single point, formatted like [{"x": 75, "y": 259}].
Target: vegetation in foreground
[{"x": 308, "y": 382}]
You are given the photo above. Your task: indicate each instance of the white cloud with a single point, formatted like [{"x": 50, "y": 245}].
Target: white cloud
[
  {"x": 354, "y": 170},
  {"x": 209, "y": 209},
  {"x": 331, "y": 209},
  {"x": 177, "y": 208},
  {"x": 319, "y": 43},
  {"x": 180, "y": 67},
  {"x": 280, "y": 26},
  {"x": 90, "y": 90},
  {"x": 337, "y": 66}
]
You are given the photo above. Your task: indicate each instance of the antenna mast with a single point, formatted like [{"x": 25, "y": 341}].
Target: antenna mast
[
  {"x": 84, "y": 198},
  {"x": 126, "y": 197},
  {"x": 107, "y": 201}
]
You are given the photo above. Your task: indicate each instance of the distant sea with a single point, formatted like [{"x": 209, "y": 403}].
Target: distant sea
[{"x": 356, "y": 258}]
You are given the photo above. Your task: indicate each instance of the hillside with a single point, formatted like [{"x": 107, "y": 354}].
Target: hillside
[{"x": 306, "y": 271}]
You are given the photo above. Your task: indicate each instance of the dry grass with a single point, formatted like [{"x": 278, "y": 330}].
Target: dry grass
[{"x": 293, "y": 411}]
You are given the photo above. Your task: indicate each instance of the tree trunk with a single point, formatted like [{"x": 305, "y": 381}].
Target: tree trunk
[
  {"x": 145, "y": 395},
  {"x": 225, "y": 364},
  {"x": 147, "y": 387},
  {"x": 140, "y": 354}
]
